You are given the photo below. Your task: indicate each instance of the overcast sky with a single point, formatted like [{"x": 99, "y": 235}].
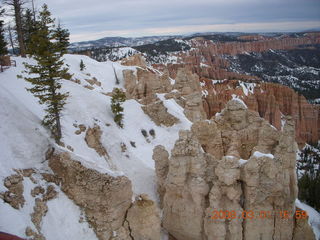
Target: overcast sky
[{"x": 93, "y": 19}]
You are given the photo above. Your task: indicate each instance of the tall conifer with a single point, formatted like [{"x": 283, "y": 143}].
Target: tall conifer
[
  {"x": 62, "y": 37},
  {"x": 46, "y": 74},
  {"x": 3, "y": 44},
  {"x": 29, "y": 26}
]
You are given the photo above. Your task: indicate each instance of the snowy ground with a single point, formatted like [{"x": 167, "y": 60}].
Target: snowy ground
[{"x": 24, "y": 141}]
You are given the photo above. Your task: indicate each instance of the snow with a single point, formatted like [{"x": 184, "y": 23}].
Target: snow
[
  {"x": 247, "y": 87},
  {"x": 16, "y": 221},
  {"x": 55, "y": 225},
  {"x": 205, "y": 93},
  {"x": 314, "y": 217},
  {"x": 26, "y": 146},
  {"x": 203, "y": 65},
  {"x": 258, "y": 154},
  {"x": 235, "y": 97},
  {"x": 242, "y": 161},
  {"x": 24, "y": 141}
]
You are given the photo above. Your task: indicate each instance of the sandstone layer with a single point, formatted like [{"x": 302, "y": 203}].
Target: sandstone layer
[
  {"x": 271, "y": 101},
  {"x": 206, "y": 57},
  {"x": 237, "y": 164}
]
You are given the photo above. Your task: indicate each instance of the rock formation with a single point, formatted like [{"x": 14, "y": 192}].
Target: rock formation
[
  {"x": 144, "y": 84},
  {"x": 14, "y": 195},
  {"x": 144, "y": 219},
  {"x": 206, "y": 56},
  {"x": 159, "y": 114},
  {"x": 301, "y": 230},
  {"x": 103, "y": 198},
  {"x": 272, "y": 101},
  {"x": 135, "y": 60},
  {"x": 93, "y": 140},
  {"x": 230, "y": 178},
  {"x": 106, "y": 201}
]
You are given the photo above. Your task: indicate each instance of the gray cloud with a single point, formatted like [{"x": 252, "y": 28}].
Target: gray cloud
[{"x": 87, "y": 19}]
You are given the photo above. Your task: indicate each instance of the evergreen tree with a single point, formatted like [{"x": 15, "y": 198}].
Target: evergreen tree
[
  {"x": 3, "y": 44},
  {"x": 308, "y": 167},
  {"x": 62, "y": 37},
  {"x": 118, "y": 98},
  {"x": 29, "y": 27},
  {"x": 45, "y": 76},
  {"x": 82, "y": 66}
]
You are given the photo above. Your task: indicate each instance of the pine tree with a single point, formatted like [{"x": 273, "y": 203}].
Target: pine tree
[
  {"x": 82, "y": 66},
  {"x": 118, "y": 98},
  {"x": 62, "y": 37},
  {"x": 45, "y": 76},
  {"x": 29, "y": 27},
  {"x": 3, "y": 44}
]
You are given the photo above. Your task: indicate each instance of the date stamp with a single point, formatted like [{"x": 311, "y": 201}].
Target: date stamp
[{"x": 251, "y": 215}]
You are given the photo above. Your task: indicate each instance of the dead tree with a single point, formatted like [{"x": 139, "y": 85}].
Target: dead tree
[{"x": 10, "y": 34}]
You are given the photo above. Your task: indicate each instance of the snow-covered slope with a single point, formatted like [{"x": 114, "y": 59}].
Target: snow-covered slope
[{"x": 24, "y": 141}]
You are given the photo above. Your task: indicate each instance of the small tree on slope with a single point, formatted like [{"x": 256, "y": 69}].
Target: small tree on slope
[
  {"x": 45, "y": 76},
  {"x": 82, "y": 66},
  {"x": 118, "y": 98}
]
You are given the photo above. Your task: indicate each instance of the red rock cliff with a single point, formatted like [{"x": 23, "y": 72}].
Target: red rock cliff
[
  {"x": 272, "y": 101},
  {"x": 205, "y": 57}
]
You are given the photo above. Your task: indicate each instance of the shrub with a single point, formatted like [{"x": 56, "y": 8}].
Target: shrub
[{"x": 117, "y": 100}]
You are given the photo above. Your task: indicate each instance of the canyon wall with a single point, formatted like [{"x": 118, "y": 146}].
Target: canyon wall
[
  {"x": 234, "y": 48},
  {"x": 206, "y": 57},
  {"x": 271, "y": 101}
]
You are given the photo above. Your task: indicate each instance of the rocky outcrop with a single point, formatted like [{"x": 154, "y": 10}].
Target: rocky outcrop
[
  {"x": 161, "y": 158},
  {"x": 93, "y": 140},
  {"x": 104, "y": 199},
  {"x": 135, "y": 60},
  {"x": 302, "y": 229},
  {"x": 144, "y": 219},
  {"x": 271, "y": 101},
  {"x": 39, "y": 211},
  {"x": 94, "y": 81},
  {"x": 235, "y": 165},
  {"x": 144, "y": 84},
  {"x": 14, "y": 195},
  {"x": 159, "y": 114}
]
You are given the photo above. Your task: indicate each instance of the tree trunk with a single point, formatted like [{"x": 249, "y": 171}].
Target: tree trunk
[
  {"x": 58, "y": 126},
  {"x": 18, "y": 19},
  {"x": 11, "y": 39},
  {"x": 33, "y": 11},
  {"x": 58, "y": 132}
]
